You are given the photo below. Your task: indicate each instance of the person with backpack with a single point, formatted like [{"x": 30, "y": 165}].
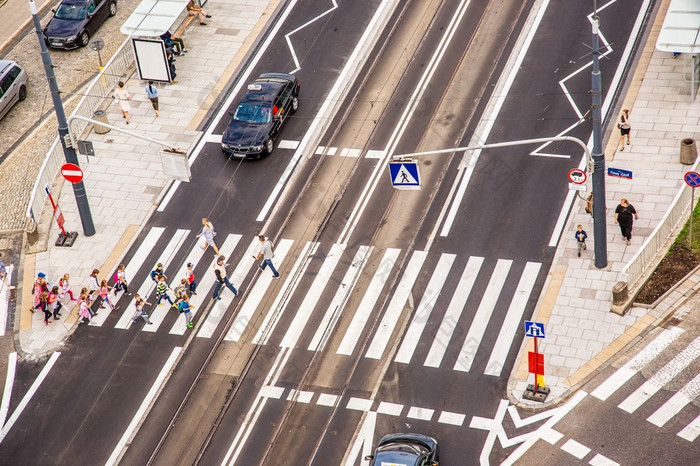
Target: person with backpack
[
  {"x": 180, "y": 291},
  {"x": 158, "y": 272},
  {"x": 40, "y": 286},
  {"x": 43, "y": 305},
  {"x": 104, "y": 294},
  {"x": 184, "y": 307},
  {"x": 54, "y": 302},
  {"x": 120, "y": 282},
  {"x": 189, "y": 274}
]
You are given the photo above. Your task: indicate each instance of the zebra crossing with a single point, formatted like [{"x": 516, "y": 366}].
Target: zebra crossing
[
  {"x": 661, "y": 378},
  {"x": 322, "y": 281}
]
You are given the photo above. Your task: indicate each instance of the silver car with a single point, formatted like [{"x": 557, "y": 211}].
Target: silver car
[{"x": 13, "y": 85}]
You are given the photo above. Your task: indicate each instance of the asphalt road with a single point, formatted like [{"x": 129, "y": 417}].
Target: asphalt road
[{"x": 343, "y": 340}]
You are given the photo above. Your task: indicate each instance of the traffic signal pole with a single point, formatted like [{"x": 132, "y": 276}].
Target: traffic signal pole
[{"x": 68, "y": 150}]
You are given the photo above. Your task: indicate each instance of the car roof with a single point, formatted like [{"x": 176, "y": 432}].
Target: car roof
[
  {"x": 5, "y": 64},
  {"x": 267, "y": 93}
]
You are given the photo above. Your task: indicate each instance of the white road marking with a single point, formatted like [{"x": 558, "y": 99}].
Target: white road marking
[
  {"x": 404, "y": 119},
  {"x": 623, "y": 374},
  {"x": 303, "y": 314},
  {"x": 454, "y": 311},
  {"x": 375, "y": 154},
  {"x": 363, "y": 443},
  {"x": 425, "y": 308},
  {"x": 359, "y": 320},
  {"x": 661, "y": 377},
  {"x": 258, "y": 292},
  {"x": 455, "y": 419},
  {"x": 9, "y": 383},
  {"x": 482, "y": 316},
  {"x": 691, "y": 431},
  {"x": 141, "y": 412},
  {"x": 422, "y": 414},
  {"x": 500, "y": 350},
  {"x": 5, "y": 300},
  {"x": 28, "y": 396},
  {"x": 326, "y": 399},
  {"x": 353, "y": 153},
  {"x": 289, "y": 34},
  {"x": 600, "y": 460},
  {"x": 330, "y": 318},
  {"x": 300, "y": 396},
  {"x": 576, "y": 449},
  {"x": 291, "y": 282},
  {"x": 160, "y": 312},
  {"x": 359, "y": 404},
  {"x": 676, "y": 403},
  {"x": 396, "y": 306},
  {"x": 391, "y": 409},
  {"x": 287, "y": 144},
  {"x": 330, "y": 151},
  {"x": 216, "y": 138}
]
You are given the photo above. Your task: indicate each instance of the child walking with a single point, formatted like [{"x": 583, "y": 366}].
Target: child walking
[
  {"x": 55, "y": 302},
  {"x": 43, "y": 305},
  {"x": 190, "y": 278},
  {"x": 84, "y": 310},
  {"x": 65, "y": 287},
  {"x": 104, "y": 294},
  {"x": 139, "y": 304},
  {"x": 184, "y": 307},
  {"x": 162, "y": 291},
  {"x": 580, "y": 236}
]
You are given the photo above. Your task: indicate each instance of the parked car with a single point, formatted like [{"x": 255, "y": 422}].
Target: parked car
[
  {"x": 405, "y": 449},
  {"x": 259, "y": 117},
  {"x": 75, "y": 21},
  {"x": 13, "y": 85}
]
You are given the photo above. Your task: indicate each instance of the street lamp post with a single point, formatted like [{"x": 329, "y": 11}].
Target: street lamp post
[{"x": 68, "y": 150}]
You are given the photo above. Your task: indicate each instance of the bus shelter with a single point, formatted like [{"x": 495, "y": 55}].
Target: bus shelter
[{"x": 680, "y": 34}]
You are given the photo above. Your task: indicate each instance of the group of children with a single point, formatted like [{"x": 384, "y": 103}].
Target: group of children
[{"x": 48, "y": 296}]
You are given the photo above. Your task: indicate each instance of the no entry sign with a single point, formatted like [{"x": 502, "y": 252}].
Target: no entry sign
[{"x": 71, "y": 172}]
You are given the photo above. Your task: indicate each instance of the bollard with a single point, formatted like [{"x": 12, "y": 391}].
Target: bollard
[
  {"x": 101, "y": 116},
  {"x": 689, "y": 151},
  {"x": 620, "y": 293}
]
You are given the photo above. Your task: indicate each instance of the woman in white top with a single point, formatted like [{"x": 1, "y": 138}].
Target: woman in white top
[
  {"x": 208, "y": 233},
  {"x": 123, "y": 97}
]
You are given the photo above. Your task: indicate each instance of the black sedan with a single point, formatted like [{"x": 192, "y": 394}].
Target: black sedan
[
  {"x": 259, "y": 117},
  {"x": 75, "y": 21},
  {"x": 405, "y": 450}
]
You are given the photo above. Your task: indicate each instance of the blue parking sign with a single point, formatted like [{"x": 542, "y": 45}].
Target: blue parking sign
[
  {"x": 404, "y": 175},
  {"x": 534, "y": 329}
]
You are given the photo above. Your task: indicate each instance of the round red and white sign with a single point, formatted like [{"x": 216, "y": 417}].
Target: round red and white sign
[
  {"x": 577, "y": 176},
  {"x": 71, "y": 172}
]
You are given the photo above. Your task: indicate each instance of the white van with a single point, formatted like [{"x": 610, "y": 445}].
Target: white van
[{"x": 13, "y": 85}]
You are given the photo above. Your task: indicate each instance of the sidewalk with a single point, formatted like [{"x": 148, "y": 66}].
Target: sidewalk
[
  {"x": 581, "y": 332},
  {"x": 125, "y": 179}
]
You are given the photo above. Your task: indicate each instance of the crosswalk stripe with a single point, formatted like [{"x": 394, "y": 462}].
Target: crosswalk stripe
[
  {"x": 160, "y": 312},
  {"x": 483, "y": 314},
  {"x": 661, "y": 377},
  {"x": 291, "y": 281},
  {"x": 359, "y": 320},
  {"x": 454, "y": 311},
  {"x": 307, "y": 306},
  {"x": 131, "y": 269},
  {"x": 330, "y": 318},
  {"x": 425, "y": 308},
  {"x": 205, "y": 284},
  {"x": 148, "y": 285},
  {"x": 287, "y": 144},
  {"x": 673, "y": 406},
  {"x": 691, "y": 431},
  {"x": 257, "y": 293},
  {"x": 396, "y": 306},
  {"x": 623, "y": 374},
  {"x": 512, "y": 321}
]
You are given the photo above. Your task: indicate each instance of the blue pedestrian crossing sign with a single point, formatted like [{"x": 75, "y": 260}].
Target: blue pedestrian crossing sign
[
  {"x": 404, "y": 175},
  {"x": 534, "y": 329}
]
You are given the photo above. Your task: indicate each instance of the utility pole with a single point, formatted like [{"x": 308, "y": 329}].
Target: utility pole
[
  {"x": 599, "y": 227},
  {"x": 68, "y": 150}
]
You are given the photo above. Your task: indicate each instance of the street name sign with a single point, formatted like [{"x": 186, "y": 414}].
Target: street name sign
[{"x": 620, "y": 173}]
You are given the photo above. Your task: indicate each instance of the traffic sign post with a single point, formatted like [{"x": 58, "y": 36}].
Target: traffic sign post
[
  {"x": 692, "y": 179},
  {"x": 537, "y": 391},
  {"x": 404, "y": 174}
]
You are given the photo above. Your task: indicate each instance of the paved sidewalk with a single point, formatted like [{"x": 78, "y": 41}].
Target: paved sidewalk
[
  {"x": 125, "y": 180},
  {"x": 581, "y": 332}
]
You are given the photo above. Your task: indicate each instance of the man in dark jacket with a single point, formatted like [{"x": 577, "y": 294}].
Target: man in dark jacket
[{"x": 222, "y": 278}]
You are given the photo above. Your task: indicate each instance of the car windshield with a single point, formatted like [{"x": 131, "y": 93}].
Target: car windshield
[
  {"x": 70, "y": 11},
  {"x": 252, "y": 113}
]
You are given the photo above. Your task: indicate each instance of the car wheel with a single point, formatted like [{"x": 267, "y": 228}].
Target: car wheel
[
  {"x": 295, "y": 103},
  {"x": 84, "y": 38},
  {"x": 22, "y": 92},
  {"x": 269, "y": 145},
  {"x": 112, "y": 8}
]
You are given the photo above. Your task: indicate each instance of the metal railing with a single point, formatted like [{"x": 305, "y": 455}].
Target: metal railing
[
  {"x": 98, "y": 90},
  {"x": 678, "y": 212}
]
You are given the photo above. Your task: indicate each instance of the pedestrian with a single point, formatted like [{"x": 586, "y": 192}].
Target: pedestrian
[
  {"x": 180, "y": 291},
  {"x": 43, "y": 305},
  {"x": 623, "y": 123},
  {"x": 158, "y": 272},
  {"x": 222, "y": 279},
  {"x": 185, "y": 307},
  {"x": 171, "y": 65},
  {"x": 195, "y": 10},
  {"x": 266, "y": 255},
  {"x": 162, "y": 291},
  {"x": 140, "y": 312},
  {"x": 209, "y": 234},
  {"x": 171, "y": 42},
  {"x": 65, "y": 287},
  {"x": 123, "y": 97},
  {"x": 580, "y": 236},
  {"x": 3, "y": 270},
  {"x": 152, "y": 93},
  {"x": 40, "y": 286},
  {"x": 55, "y": 302},
  {"x": 84, "y": 310},
  {"x": 120, "y": 281},
  {"x": 104, "y": 294},
  {"x": 625, "y": 213},
  {"x": 589, "y": 204},
  {"x": 190, "y": 279},
  {"x": 94, "y": 284}
]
